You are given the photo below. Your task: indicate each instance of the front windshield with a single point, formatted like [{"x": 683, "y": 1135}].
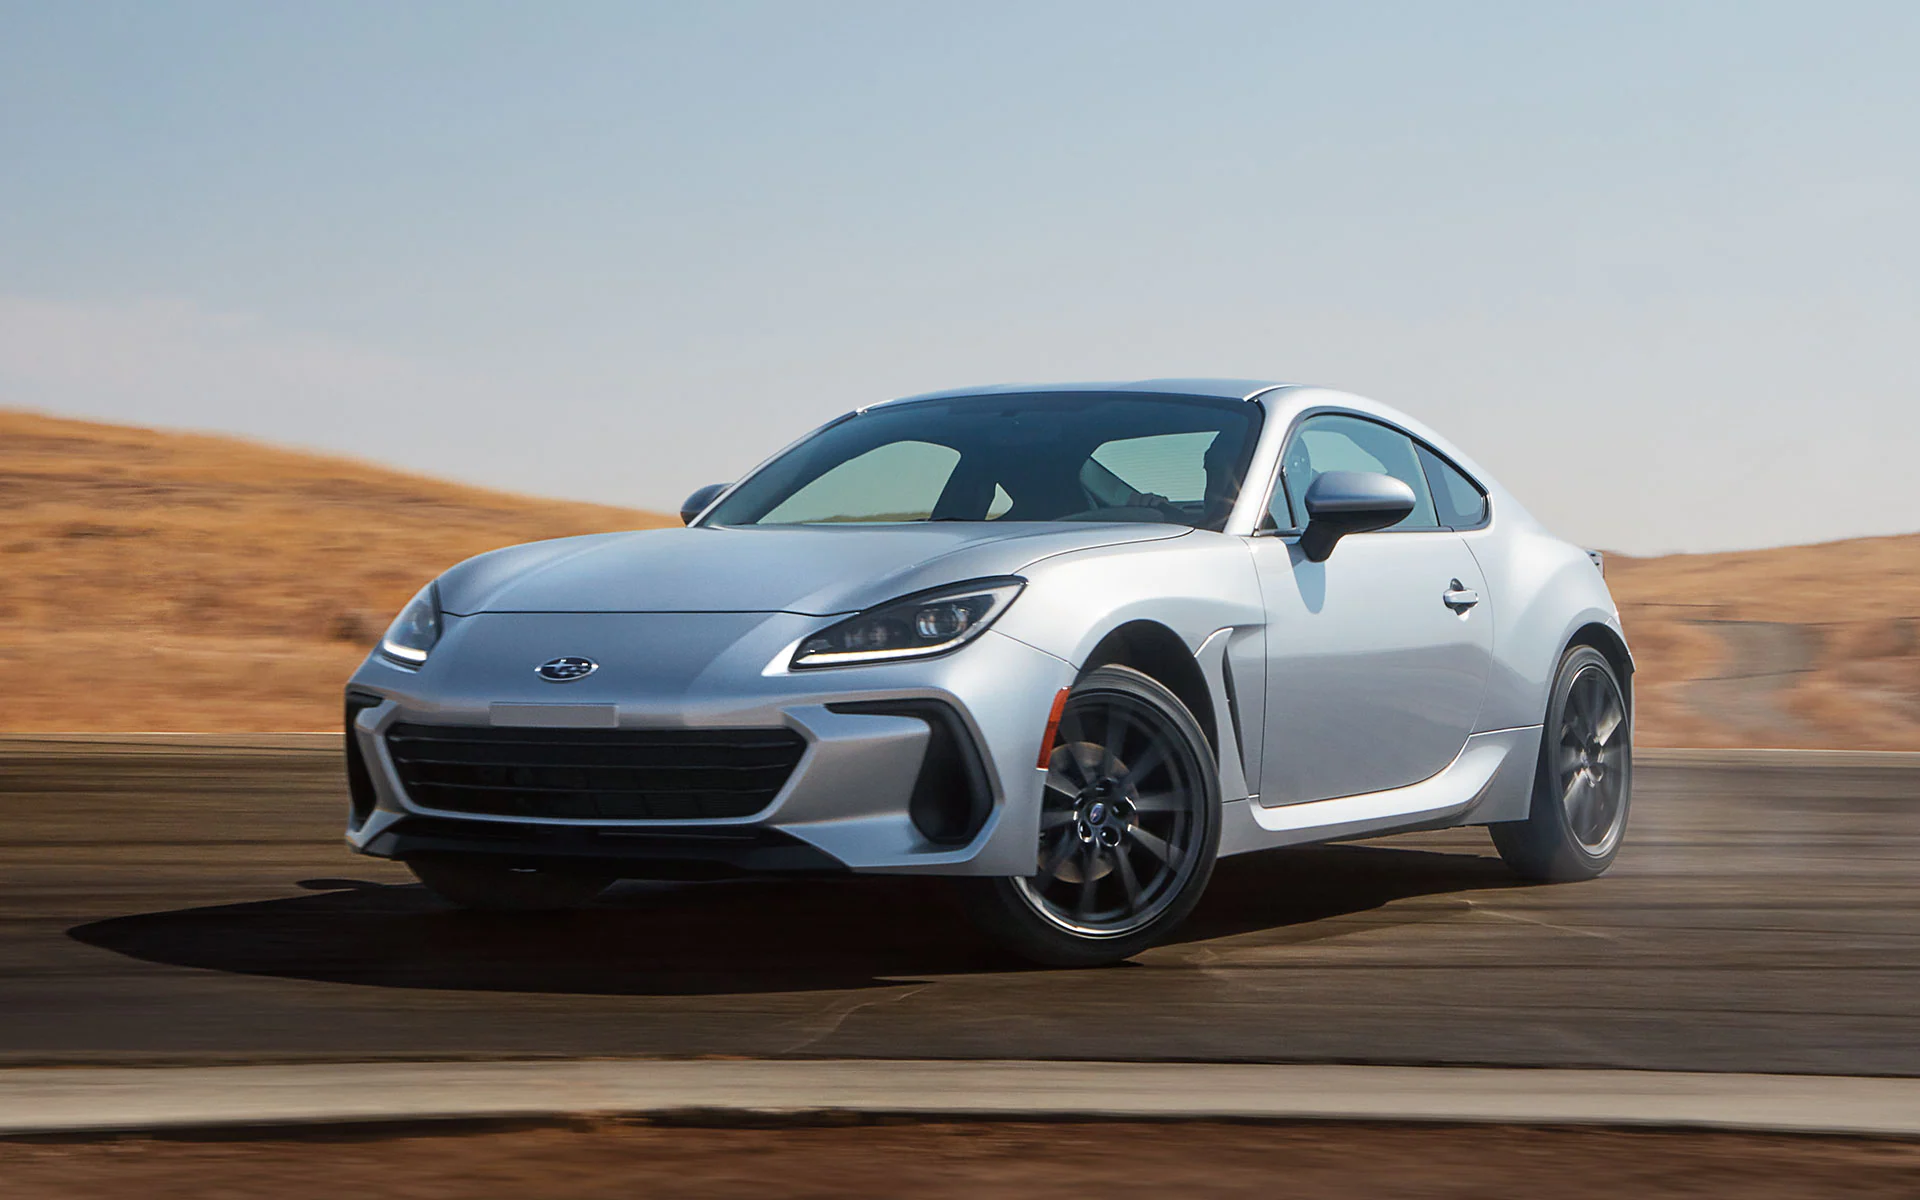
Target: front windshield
[{"x": 1073, "y": 456}]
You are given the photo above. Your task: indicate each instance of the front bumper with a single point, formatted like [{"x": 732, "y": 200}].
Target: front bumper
[{"x": 873, "y": 738}]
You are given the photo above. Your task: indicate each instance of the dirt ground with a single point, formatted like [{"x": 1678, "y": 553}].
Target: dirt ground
[
  {"x": 954, "y": 1160},
  {"x": 171, "y": 582}
]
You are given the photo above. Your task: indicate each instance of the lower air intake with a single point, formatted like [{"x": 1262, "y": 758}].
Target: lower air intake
[{"x": 594, "y": 774}]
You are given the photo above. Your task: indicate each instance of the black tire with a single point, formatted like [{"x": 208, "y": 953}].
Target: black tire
[
  {"x": 1130, "y": 829},
  {"x": 1584, "y": 780},
  {"x": 489, "y": 885}
]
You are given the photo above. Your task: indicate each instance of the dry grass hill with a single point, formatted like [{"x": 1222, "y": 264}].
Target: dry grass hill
[
  {"x": 1799, "y": 646},
  {"x": 163, "y": 581}
]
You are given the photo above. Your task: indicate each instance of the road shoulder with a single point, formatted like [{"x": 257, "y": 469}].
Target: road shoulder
[{"x": 38, "y": 1101}]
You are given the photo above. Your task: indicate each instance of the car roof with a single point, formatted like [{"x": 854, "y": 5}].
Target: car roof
[{"x": 1223, "y": 389}]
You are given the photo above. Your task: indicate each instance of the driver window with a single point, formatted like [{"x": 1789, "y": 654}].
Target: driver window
[
  {"x": 1334, "y": 442},
  {"x": 1166, "y": 470},
  {"x": 1169, "y": 464}
]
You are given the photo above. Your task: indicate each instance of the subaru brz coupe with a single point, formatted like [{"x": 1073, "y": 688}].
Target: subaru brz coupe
[{"x": 1066, "y": 644}]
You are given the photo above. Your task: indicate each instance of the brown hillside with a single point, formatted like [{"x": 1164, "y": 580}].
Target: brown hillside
[
  {"x": 1799, "y": 646},
  {"x": 160, "y": 581},
  {"x": 165, "y": 581}
]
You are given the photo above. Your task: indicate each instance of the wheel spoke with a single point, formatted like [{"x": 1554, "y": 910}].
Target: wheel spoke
[
  {"x": 1159, "y": 802},
  {"x": 1063, "y": 849},
  {"x": 1066, "y": 773},
  {"x": 1128, "y": 879},
  {"x": 1063, "y": 784},
  {"x": 1600, "y": 806},
  {"x": 1575, "y": 716},
  {"x": 1578, "y": 800},
  {"x": 1136, "y": 772},
  {"x": 1073, "y": 725},
  {"x": 1156, "y": 846},
  {"x": 1095, "y": 762},
  {"x": 1090, "y": 883},
  {"x": 1082, "y": 757},
  {"x": 1119, "y": 726},
  {"x": 1054, "y": 818},
  {"x": 1611, "y": 718},
  {"x": 1592, "y": 690},
  {"x": 1574, "y": 729}
]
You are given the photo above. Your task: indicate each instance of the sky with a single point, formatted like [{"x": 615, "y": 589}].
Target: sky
[{"x": 1656, "y": 267}]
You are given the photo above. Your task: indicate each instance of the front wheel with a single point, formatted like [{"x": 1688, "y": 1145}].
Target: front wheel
[
  {"x": 481, "y": 883},
  {"x": 1583, "y": 780},
  {"x": 1129, "y": 829}
]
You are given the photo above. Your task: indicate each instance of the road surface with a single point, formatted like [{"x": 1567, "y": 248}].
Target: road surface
[{"x": 194, "y": 904}]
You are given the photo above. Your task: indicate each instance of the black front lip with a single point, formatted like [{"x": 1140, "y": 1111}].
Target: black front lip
[{"x": 624, "y": 851}]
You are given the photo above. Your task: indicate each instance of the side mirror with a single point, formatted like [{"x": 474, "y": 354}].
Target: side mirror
[
  {"x": 1344, "y": 502},
  {"x": 697, "y": 503}
]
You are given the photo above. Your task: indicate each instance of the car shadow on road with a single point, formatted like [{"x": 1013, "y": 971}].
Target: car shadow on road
[{"x": 726, "y": 938}]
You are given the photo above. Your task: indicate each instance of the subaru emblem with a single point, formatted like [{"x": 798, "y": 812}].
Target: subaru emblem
[{"x": 566, "y": 669}]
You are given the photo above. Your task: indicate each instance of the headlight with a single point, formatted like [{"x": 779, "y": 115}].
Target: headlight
[
  {"x": 415, "y": 630},
  {"x": 916, "y": 626}
]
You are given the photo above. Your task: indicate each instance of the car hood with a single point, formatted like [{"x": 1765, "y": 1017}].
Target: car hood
[{"x": 812, "y": 569}]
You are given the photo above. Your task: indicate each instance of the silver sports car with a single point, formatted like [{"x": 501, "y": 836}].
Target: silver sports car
[{"x": 1067, "y": 644}]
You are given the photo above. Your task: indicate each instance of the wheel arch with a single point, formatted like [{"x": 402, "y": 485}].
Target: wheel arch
[
  {"x": 1157, "y": 651},
  {"x": 1608, "y": 641}
]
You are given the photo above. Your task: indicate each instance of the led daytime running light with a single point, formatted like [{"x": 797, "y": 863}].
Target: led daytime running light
[{"x": 415, "y": 631}]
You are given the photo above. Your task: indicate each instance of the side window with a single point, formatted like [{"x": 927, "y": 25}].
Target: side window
[
  {"x": 1000, "y": 505},
  {"x": 1333, "y": 442},
  {"x": 1168, "y": 464},
  {"x": 900, "y": 481},
  {"x": 1458, "y": 500},
  {"x": 1167, "y": 467},
  {"x": 1279, "y": 512}
]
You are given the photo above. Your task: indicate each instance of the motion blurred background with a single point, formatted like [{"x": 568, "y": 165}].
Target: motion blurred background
[
  {"x": 302, "y": 303},
  {"x": 1654, "y": 264}
]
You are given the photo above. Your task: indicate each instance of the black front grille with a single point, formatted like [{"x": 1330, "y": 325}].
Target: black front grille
[{"x": 588, "y": 774}]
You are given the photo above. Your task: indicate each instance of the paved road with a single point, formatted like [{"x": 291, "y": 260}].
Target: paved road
[{"x": 170, "y": 905}]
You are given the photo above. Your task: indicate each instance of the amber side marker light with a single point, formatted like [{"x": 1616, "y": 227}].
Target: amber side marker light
[{"x": 1053, "y": 728}]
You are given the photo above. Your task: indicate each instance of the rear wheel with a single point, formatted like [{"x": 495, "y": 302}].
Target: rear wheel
[
  {"x": 1584, "y": 779},
  {"x": 488, "y": 885},
  {"x": 1129, "y": 829}
]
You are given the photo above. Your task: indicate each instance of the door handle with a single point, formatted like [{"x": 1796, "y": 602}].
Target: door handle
[{"x": 1459, "y": 598}]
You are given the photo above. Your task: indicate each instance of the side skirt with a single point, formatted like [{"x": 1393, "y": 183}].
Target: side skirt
[{"x": 1490, "y": 780}]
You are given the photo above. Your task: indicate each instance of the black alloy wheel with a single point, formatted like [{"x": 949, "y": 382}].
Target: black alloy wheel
[
  {"x": 1584, "y": 780},
  {"x": 1129, "y": 828}
]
